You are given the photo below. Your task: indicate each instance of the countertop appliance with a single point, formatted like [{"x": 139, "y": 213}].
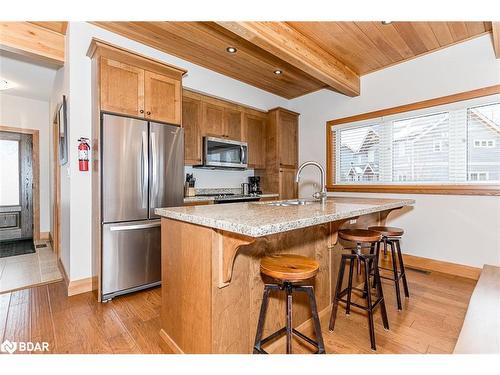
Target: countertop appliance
[
  {"x": 254, "y": 182},
  {"x": 142, "y": 168},
  {"x": 224, "y": 153},
  {"x": 231, "y": 197}
]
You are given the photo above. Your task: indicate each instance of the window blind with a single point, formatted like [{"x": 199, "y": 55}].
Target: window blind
[{"x": 456, "y": 144}]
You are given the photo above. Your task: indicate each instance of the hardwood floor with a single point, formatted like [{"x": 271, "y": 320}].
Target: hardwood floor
[{"x": 429, "y": 323}]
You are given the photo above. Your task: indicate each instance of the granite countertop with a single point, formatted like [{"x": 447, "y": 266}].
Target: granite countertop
[
  {"x": 257, "y": 219},
  {"x": 207, "y": 199}
]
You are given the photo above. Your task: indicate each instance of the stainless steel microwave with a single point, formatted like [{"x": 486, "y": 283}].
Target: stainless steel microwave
[{"x": 224, "y": 153}]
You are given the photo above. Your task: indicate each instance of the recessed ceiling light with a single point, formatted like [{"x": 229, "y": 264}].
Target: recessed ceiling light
[
  {"x": 386, "y": 22},
  {"x": 231, "y": 50},
  {"x": 5, "y": 85},
  {"x": 278, "y": 72}
]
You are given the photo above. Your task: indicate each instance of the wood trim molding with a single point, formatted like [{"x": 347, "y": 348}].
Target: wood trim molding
[
  {"x": 170, "y": 343},
  {"x": 449, "y": 268},
  {"x": 33, "y": 41},
  {"x": 44, "y": 236},
  {"x": 467, "y": 95},
  {"x": 36, "y": 173},
  {"x": 450, "y": 189},
  {"x": 445, "y": 189},
  {"x": 495, "y": 28},
  {"x": 80, "y": 286}
]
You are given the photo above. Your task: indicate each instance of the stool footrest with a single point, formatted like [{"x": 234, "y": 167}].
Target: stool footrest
[{"x": 281, "y": 332}]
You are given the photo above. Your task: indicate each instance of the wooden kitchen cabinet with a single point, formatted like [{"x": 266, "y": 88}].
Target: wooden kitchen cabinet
[
  {"x": 122, "y": 88},
  {"x": 133, "y": 85},
  {"x": 256, "y": 138},
  {"x": 232, "y": 124},
  {"x": 288, "y": 139},
  {"x": 213, "y": 120},
  {"x": 287, "y": 184},
  {"x": 191, "y": 122},
  {"x": 162, "y": 97}
]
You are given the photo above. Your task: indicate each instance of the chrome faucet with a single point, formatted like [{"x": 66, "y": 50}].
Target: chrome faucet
[{"x": 320, "y": 195}]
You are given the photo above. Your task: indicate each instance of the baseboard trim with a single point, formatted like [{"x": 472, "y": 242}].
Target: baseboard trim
[
  {"x": 454, "y": 269},
  {"x": 170, "y": 343},
  {"x": 80, "y": 286}
]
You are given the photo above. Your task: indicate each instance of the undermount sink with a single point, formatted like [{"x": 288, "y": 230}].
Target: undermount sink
[{"x": 297, "y": 202}]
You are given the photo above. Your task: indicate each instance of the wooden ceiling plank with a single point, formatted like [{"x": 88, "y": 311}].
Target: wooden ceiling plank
[
  {"x": 394, "y": 38},
  {"x": 426, "y": 34},
  {"x": 291, "y": 46},
  {"x": 32, "y": 41},
  {"x": 442, "y": 33},
  {"x": 57, "y": 26},
  {"x": 474, "y": 28},
  {"x": 458, "y": 30},
  {"x": 372, "y": 32},
  {"x": 410, "y": 36},
  {"x": 495, "y": 28}
]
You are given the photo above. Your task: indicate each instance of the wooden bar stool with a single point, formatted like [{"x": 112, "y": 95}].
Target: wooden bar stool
[
  {"x": 287, "y": 270},
  {"x": 360, "y": 237},
  {"x": 391, "y": 237}
]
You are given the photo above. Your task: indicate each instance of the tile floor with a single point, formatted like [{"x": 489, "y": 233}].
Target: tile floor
[{"x": 27, "y": 270}]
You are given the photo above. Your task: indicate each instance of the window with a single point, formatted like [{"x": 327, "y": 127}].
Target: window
[
  {"x": 9, "y": 172},
  {"x": 450, "y": 144}
]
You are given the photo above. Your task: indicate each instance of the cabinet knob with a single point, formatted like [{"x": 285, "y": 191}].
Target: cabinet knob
[
  {"x": 148, "y": 113},
  {"x": 141, "y": 111}
]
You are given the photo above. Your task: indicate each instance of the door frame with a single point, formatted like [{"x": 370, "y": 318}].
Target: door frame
[
  {"x": 56, "y": 191},
  {"x": 35, "y": 133}
]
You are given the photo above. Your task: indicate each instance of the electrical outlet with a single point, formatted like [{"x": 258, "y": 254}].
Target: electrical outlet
[{"x": 352, "y": 221}]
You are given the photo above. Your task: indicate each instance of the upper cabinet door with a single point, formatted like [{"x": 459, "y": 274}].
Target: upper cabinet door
[
  {"x": 256, "y": 139},
  {"x": 288, "y": 139},
  {"x": 232, "y": 124},
  {"x": 162, "y": 98},
  {"x": 122, "y": 88},
  {"x": 191, "y": 121},
  {"x": 213, "y": 120}
]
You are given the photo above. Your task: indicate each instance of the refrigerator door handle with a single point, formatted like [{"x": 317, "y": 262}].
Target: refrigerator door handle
[
  {"x": 154, "y": 167},
  {"x": 133, "y": 227},
  {"x": 144, "y": 169}
]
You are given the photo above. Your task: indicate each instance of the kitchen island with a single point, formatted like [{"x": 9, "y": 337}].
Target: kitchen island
[{"x": 211, "y": 282}]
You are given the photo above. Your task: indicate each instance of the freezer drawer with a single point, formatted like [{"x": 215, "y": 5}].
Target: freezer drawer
[{"x": 131, "y": 256}]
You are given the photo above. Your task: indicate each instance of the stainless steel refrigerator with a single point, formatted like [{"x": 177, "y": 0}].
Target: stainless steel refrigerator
[{"x": 142, "y": 168}]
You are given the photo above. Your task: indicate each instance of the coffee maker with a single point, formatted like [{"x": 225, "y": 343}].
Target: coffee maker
[{"x": 254, "y": 182}]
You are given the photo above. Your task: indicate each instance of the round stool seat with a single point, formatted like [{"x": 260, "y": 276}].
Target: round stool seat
[
  {"x": 360, "y": 235},
  {"x": 289, "y": 267},
  {"x": 388, "y": 231}
]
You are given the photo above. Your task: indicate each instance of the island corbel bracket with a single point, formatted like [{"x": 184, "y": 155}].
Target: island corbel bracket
[{"x": 226, "y": 246}]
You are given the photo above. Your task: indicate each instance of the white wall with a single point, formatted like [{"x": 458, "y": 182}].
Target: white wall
[
  {"x": 469, "y": 225},
  {"x": 208, "y": 178},
  {"x": 21, "y": 112},
  {"x": 198, "y": 78}
]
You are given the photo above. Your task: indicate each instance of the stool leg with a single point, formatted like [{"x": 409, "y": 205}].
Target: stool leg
[
  {"x": 377, "y": 254},
  {"x": 395, "y": 272},
  {"x": 349, "y": 285},
  {"x": 385, "y": 247},
  {"x": 288, "y": 288},
  {"x": 315, "y": 317},
  {"x": 380, "y": 294},
  {"x": 369, "y": 305},
  {"x": 402, "y": 269},
  {"x": 338, "y": 289},
  {"x": 262, "y": 318}
]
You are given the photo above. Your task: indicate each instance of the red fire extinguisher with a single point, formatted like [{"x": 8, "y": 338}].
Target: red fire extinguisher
[{"x": 83, "y": 154}]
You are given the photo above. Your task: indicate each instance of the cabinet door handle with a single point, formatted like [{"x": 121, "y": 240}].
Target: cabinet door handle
[
  {"x": 148, "y": 113},
  {"x": 141, "y": 111}
]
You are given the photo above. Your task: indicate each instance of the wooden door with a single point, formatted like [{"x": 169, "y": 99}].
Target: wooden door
[
  {"x": 256, "y": 139},
  {"x": 288, "y": 186},
  {"x": 122, "y": 88},
  {"x": 162, "y": 98},
  {"x": 191, "y": 121},
  {"x": 288, "y": 139},
  {"x": 232, "y": 124},
  {"x": 213, "y": 120}
]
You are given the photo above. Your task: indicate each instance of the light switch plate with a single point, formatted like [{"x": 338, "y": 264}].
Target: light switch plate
[{"x": 352, "y": 221}]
